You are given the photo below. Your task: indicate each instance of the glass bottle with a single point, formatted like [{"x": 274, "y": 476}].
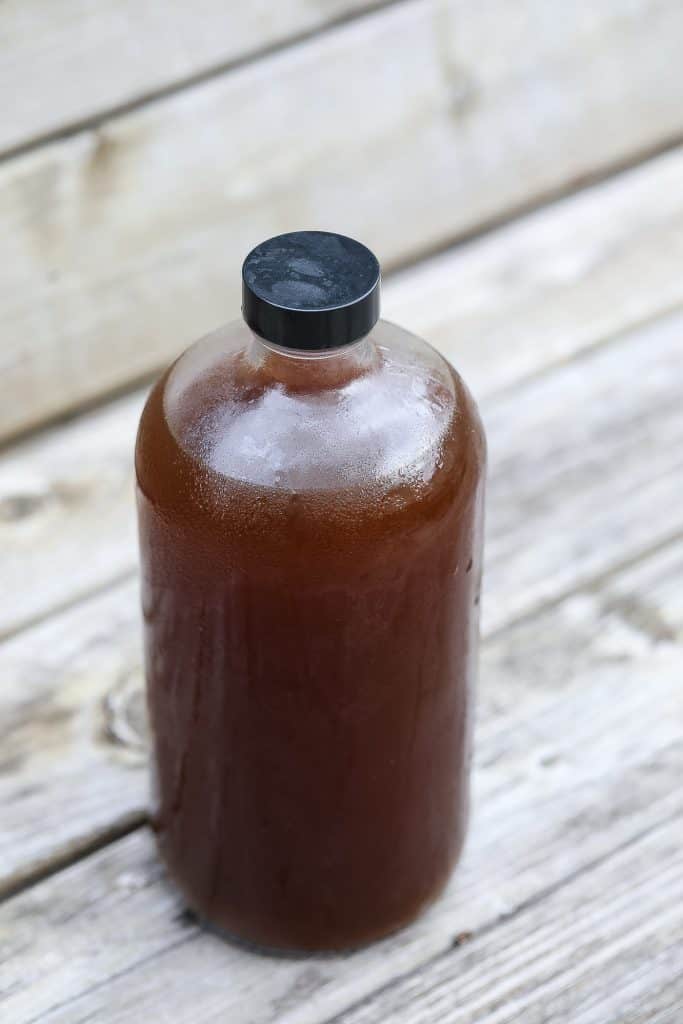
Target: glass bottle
[{"x": 310, "y": 494}]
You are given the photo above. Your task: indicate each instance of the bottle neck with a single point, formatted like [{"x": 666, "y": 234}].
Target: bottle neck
[{"x": 300, "y": 368}]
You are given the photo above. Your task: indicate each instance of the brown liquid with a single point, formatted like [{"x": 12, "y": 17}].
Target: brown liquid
[{"x": 311, "y": 549}]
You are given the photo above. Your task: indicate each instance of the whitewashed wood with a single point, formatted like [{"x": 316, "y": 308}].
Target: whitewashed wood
[
  {"x": 123, "y": 242},
  {"x": 578, "y": 755},
  {"x": 585, "y": 466},
  {"x": 605, "y": 949},
  {"x": 65, "y": 61}
]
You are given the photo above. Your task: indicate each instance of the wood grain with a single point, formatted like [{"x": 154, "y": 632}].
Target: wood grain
[
  {"x": 67, "y": 512},
  {"x": 67, "y": 61},
  {"x": 578, "y": 756},
  {"x": 555, "y": 284},
  {"x": 74, "y": 744},
  {"x": 604, "y": 949},
  {"x": 124, "y": 241},
  {"x": 584, "y": 465}
]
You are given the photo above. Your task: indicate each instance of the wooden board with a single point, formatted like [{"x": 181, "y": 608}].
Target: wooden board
[
  {"x": 553, "y": 283},
  {"x": 578, "y": 756},
  {"x": 586, "y": 464},
  {"x": 74, "y": 728},
  {"x": 67, "y": 513},
  {"x": 556, "y": 283},
  {"x": 124, "y": 241},
  {"x": 606, "y": 947},
  {"x": 65, "y": 61}
]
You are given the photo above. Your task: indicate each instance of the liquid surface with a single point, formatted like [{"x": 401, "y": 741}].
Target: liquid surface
[{"x": 311, "y": 550}]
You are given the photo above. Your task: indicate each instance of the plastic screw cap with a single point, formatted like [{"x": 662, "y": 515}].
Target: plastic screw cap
[{"x": 311, "y": 290}]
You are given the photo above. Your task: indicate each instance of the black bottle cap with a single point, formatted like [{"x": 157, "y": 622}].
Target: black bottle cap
[{"x": 310, "y": 290}]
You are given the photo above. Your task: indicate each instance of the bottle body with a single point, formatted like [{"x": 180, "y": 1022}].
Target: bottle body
[{"x": 311, "y": 533}]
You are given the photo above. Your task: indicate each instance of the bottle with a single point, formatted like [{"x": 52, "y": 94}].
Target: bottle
[{"x": 310, "y": 495}]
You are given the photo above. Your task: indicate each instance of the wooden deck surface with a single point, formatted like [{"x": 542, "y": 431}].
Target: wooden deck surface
[{"x": 560, "y": 299}]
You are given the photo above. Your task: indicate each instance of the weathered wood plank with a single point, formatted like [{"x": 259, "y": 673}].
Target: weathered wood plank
[
  {"x": 593, "y": 265},
  {"x": 586, "y": 465},
  {"x": 121, "y": 243},
  {"x": 67, "y": 512},
  {"x": 66, "y": 61},
  {"x": 553, "y": 283},
  {"x": 578, "y": 754},
  {"x": 74, "y": 741},
  {"x": 604, "y": 949}
]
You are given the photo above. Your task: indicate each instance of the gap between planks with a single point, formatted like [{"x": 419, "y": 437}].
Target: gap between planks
[
  {"x": 119, "y": 830},
  {"x": 567, "y": 190},
  {"x": 150, "y": 96}
]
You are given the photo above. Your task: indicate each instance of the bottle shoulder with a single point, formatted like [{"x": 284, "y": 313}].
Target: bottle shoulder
[{"x": 388, "y": 414}]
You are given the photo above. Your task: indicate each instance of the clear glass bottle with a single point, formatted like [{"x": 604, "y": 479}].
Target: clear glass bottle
[{"x": 310, "y": 496}]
